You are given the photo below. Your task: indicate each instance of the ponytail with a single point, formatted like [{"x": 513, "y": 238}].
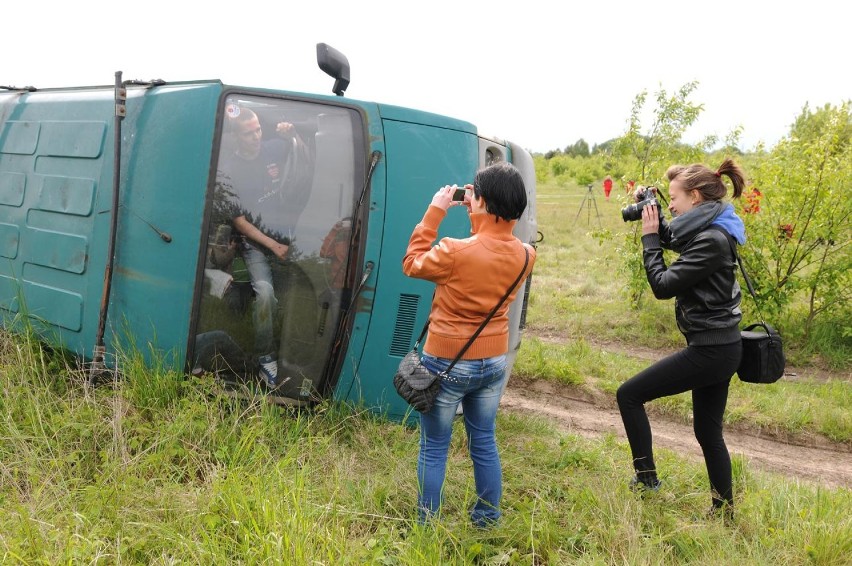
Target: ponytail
[{"x": 734, "y": 173}]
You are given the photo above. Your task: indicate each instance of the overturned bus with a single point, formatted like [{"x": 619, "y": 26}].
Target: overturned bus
[{"x": 114, "y": 228}]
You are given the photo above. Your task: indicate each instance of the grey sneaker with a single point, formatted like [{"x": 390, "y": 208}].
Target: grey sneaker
[
  {"x": 638, "y": 485},
  {"x": 269, "y": 370},
  {"x": 724, "y": 512}
]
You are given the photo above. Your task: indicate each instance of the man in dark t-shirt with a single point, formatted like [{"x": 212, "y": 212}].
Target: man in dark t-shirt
[{"x": 266, "y": 195}]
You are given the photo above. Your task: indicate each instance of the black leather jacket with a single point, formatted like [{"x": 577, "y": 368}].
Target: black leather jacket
[{"x": 702, "y": 280}]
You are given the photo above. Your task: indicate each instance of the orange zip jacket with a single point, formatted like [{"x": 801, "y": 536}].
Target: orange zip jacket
[{"x": 471, "y": 276}]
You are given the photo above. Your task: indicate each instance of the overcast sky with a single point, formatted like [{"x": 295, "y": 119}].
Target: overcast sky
[{"x": 540, "y": 73}]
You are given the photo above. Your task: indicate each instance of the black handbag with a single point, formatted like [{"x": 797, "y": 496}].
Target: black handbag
[
  {"x": 763, "y": 352},
  {"x": 415, "y": 383},
  {"x": 419, "y": 386}
]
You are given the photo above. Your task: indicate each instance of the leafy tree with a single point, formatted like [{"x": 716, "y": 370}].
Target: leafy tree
[
  {"x": 605, "y": 147},
  {"x": 581, "y": 170},
  {"x": 542, "y": 169},
  {"x": 646, "y": 154},
  {"x": 800, "y": 235},
  {"x": 660, "y": 145},
  {"x": 579, "y": 149}
]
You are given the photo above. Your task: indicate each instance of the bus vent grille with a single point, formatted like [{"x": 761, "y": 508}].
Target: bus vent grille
[{"x": 402, "y": 331}]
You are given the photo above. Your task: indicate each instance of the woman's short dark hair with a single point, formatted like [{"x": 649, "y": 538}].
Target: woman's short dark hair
[{"x": 502, "y": 187}]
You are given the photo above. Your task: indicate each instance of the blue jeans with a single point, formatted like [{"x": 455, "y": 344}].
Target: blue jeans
[
  {"x": 477, "y": 385},
  {"x": 265, "y": 302}
]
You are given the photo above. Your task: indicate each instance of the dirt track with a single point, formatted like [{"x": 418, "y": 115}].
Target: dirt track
[{"x": 573, "y": 411}]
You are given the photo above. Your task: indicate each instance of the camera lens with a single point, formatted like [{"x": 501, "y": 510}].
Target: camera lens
[
  {"x": 630, "y": 213},
  {"x": 633, "y": 212}
]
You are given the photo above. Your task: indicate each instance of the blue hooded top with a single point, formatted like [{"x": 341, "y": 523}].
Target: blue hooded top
[{"x": 732, "y": 224}]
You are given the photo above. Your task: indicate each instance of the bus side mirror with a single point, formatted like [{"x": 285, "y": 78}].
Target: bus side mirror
[{"x": 335, "y": 64}]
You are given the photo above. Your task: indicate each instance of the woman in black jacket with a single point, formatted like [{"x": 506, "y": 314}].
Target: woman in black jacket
[{"x": 707, "y": 310}]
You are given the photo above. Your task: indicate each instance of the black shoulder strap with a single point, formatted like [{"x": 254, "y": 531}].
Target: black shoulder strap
[{"x": 733, "y": 244}]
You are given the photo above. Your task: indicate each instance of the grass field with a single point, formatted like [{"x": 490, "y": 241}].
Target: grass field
[{"x": 157, "y": 468}]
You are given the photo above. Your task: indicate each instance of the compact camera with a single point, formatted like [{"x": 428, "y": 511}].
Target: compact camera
[
  {"x": 646, "y": 197},
  {"x": 458, "y": 195}
]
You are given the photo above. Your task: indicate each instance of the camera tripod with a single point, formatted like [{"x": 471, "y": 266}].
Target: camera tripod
[{"x": 588, "y": 201}]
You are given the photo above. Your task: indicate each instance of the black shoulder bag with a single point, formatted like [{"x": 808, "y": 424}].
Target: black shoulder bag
[
  {"x": 418, "y": 385},
  {"x": 763, "y": 353}
]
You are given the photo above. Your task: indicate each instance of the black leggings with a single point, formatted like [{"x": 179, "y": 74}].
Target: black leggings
[{"x": 707, "y": 371}]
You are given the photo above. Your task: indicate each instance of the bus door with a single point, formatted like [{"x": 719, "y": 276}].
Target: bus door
[{"x": 279, "y": 263}]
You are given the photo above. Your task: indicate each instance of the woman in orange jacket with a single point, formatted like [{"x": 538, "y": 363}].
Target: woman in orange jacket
[{"x": 471, "y": 275}]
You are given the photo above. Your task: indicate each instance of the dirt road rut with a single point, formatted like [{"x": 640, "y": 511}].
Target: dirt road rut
[{"x": 572, "y": 411}]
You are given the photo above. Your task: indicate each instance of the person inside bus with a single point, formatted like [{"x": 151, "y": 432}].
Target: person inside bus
[
  {"x": 217, "y": 352},
  {"x": 264, "y": 182},
  {"x": 463, "y": 299},
  {"x": 335, "y": 247}
]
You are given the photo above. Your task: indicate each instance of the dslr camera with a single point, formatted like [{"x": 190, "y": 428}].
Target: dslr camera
[{"x": 646, "y": 196}]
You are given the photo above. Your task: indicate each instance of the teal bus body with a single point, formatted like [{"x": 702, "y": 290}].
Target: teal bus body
[
  {"x": 347, "y": 335},
  {"x": 56, "y": 172}
]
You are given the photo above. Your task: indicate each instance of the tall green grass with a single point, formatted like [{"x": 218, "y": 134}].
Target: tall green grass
[{"x": 116, "y": 475}]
